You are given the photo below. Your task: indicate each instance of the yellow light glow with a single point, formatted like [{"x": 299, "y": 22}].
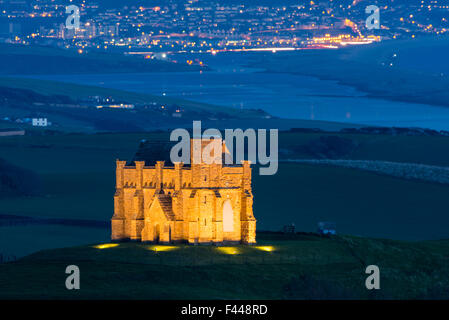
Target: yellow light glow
[
  {"x": 106, "y": 245},
  {"x": 265, "y": 248},
  {"x": 161, "y": 248},
  {"x": 228, "y": 250}
]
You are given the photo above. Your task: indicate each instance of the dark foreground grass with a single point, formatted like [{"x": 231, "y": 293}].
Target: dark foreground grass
[{"x": 299, "y": 267}]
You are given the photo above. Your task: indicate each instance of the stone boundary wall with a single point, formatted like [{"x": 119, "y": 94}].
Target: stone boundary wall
[{"x": 410, "y": 171}]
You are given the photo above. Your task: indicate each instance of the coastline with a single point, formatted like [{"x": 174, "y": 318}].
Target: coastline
[
  {"x": 388, "y": 70},
  {"x": 370, "y": 94}
]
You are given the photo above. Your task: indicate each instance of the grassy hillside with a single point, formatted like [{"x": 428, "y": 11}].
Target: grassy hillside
[
  {"x": 294, "y": 267},
  {"x": 78, "y": 92},
  {"x": 16, "y": 181},
  {"x": 71, "y": 108},
  {"x": 77, "y": 172},
  {"x": 20, "y": 59}
]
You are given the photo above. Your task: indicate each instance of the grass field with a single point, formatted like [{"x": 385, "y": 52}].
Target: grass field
[
  {"x": 295, "y": 267},
  {"x": 35, "y": 59},
  {"x": 431, "y": 150},
  {"x": 78, "y": 175}
]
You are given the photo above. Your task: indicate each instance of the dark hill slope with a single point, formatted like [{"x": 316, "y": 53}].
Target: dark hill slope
[{"x": 301, "y": 266}]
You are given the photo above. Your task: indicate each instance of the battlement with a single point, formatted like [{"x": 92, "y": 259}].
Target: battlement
[{"x": 204, "y": 175}]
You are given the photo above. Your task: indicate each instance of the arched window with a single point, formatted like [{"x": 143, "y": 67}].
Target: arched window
[{"x": 228, "y": 217}]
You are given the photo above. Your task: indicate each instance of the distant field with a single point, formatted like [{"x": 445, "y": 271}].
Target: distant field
[
  {"x": 432, "y": 150},
  {"x": 361, "y": 203},
  {"x": 295, "y": 267},
  {"x": 77, "y": 91},
  {"x": 20, "y": 59},
  {"x": 7, "y": 125},
  {"x": 67, "y": 119},
  {"x": 67, "y": 106},
  {"x": 78, "y": 175}
]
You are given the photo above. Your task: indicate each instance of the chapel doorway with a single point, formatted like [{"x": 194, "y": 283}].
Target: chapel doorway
[
  {"x": 228, "y": 217},
  {"x": 157, "y": 233}
]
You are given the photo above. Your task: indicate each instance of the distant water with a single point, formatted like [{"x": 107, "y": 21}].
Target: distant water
[
  {"x": 435, "y": 53},
  {"x": 282, "y": 95}
]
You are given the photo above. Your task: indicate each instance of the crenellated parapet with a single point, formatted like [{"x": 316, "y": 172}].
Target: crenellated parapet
[{"x": 119, "y": 174}]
